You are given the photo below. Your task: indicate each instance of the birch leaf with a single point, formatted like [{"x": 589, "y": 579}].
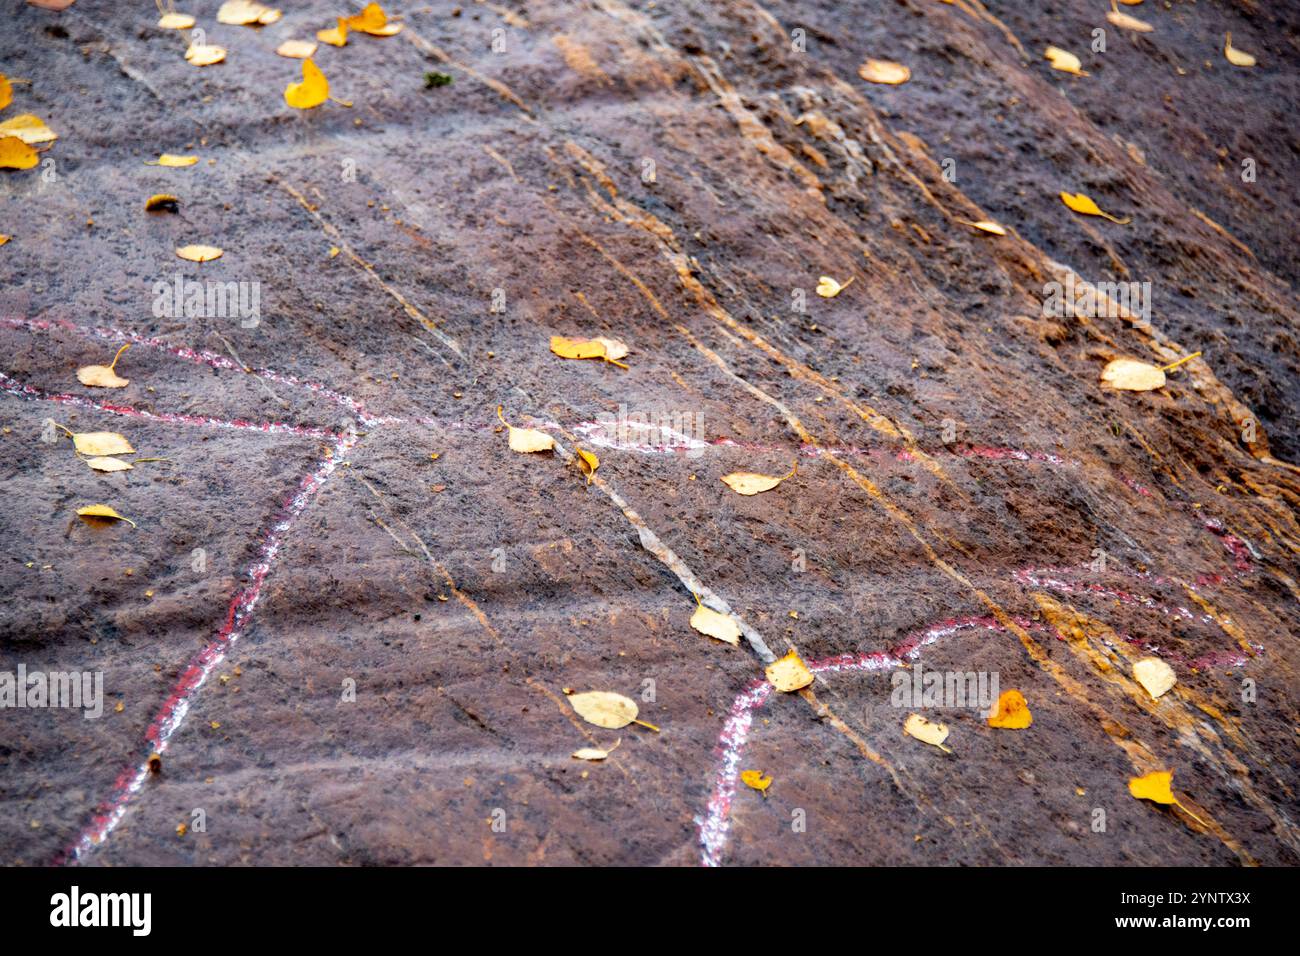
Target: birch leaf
[
  {"x": 986, "y": 225},
  {"x": 161, "y": 201},
  {"x": 1064, "y": 61},
  {"x": 374, "y": 21},
  {"x": 715, "y": 624},
  {"x": 172, "y": 160},
  {"x": 886, "y": 72},
  {"x": 1012, "y": 711},
  {"x": 311, "y": 92},
  {"x": 6, "y": 91},
  {"x": 29, "y": 128},
  {"x": 334, "y": 36},
  {"x": 755, "y": 780},
  {"x": 1131, "y": 375},
  {"x": 1234, "y": 56},
  {"x": 1153, "y": 786},
  {"x": 1126, "y": 22},
  {"x": 595, "y": 753},
  {"x": 929, "y": 732},
  {"x": 604, "y": 708},
  {"x": 589, "y": 348},
  {"x": 296, "y": 49},
  {"x": 1154, "y": 675},
  {"x": 103, "y": 511},
  {"x": 15, "y": 154},
  {"x": 109, "y": 464},
  {"x": 1083, "y": 204},
  {"x": 526, "y": 440},
  {"x": 789, "y": 673},
  {"x": 97, "y": 444},
  {"x": 588, "y": 462},
  {"x": 175, "y": 21},
  {"x": 199, "y": 253},
  {"x": 751, "y": 483},
  {"x": 205, "y": 54},
  {"x": 828, "y": 288},
  {"x": 104, "y": 376}
]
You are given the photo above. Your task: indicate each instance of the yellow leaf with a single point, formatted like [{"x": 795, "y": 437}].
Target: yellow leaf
[
  {"x": 374, "y": 21},
  {"x": 755, "y": 780},
  {"x": 30, "y": 129},
  {"x": 4, "y": 239},
  {"x": 1064, "y": 61},
  {"x": 1125, "y": 22},
  {"x": 175, "y": 21},
  {"x": 595, "y": 753},
  {"x": 334, "y": 36},
  {"x": 109, "y": 464},
  {"x": 1153, "y": 786},
  {"x": 789, "y": 673},
  {"x": 312, "y": 91},
  {"x": 103, "y": 511},
  {"x": 604, "y": 708},
  {"x": 1012, "y": 712},
  {"x": 1234, "y": 56},
  {"x": 1083, "y": 204},
  {"x": 1132, "y": 375},
  {"x": 15, "y": 154},
  {"x": 172, "y": 160},
  {"x": 96, "y": 444},
  {"x": 161, "y": 201},
  {"x": 6, "y": 91},
  {"x": 296, "y": 49},
  {"x": 588, "y": 462},
  {"x": 926, "y": 731},
  {"x": 715, "y": 624},
  {"x": 828, "y": 288},
  {"x": 1154, "y": 675},
  {"x": 199, "y": 253},
  {"x": 246, "y": 13},
  {"x": 526, "y": 439},
  {"x": 884, "y": 71},
  {"x": 103, "y": 376},
  {"x": 987, "y": 225},
  {"x": 750, "y": 483},
  {"x": 205, "y": 54},
  {"x": 598, "y": 347}
]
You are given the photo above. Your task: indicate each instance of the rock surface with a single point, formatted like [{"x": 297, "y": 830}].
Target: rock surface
[{"x": 968, "y": 498}]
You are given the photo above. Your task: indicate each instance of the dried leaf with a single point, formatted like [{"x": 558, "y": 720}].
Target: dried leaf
[
  {"x": 598, "y": 347},
  {"x": 604, "y": 708},
  {"x": 751, "y": 483},
  {"x": 588, "y": 462},
  {"x": 987, "y": 225},
  {"x": 884, "y": 71},
  {"x": 595, "y": 753},
  {"x": 30, "y": 129},
  {"x": 789, "y": 673},
  {"x": 104, "y": 376},
  {"x": 828, "y": 288},
  {"x": 1153, "y": 786},
  {"x": 4, "y": 239},
  {"x": 103, "y": 511},
  {"x": 1234, "y": 56},
  {"x": 96, "y": 444},
  {"x": 526, "y": 439},
  {"x": 1012, "y": 712},
  {"x": 205, "y": 54},
  {"x": 334, "y": 36},
  {"x": 175, "y": 21},
  {"x": 755, "y": 780},
  {"x": 1154, "y": 675},
  {"x": 312, "y": 91},
  {"x": 199, "y": 253},
  {"x": 6, "y": 91},
  {"x": 715, "y": 624},
  {"x": 15, "y": 154},
  {"x": 296, "y": 49},
  {"x": 1064, "y": 61},
  {"x": 929, "y": 732},
  {"x": 374, "y": 21},
  {"x": 1126, "y": 22},
  {"x": 109, "y": 464},
  {"x": 1132, "y": 375},
  {"x": 246, "y": 13},
  {"x": 172, "y": 160},
  {"x": 161, "y": 201},
  {"x": 1081, "y": 203}
]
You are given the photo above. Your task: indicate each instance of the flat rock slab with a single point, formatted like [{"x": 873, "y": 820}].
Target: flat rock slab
[{"x": 347, "y": 616}]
